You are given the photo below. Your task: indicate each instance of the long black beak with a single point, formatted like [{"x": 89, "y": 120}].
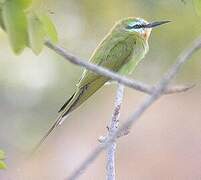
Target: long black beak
[{"x": 155, "y": 24}]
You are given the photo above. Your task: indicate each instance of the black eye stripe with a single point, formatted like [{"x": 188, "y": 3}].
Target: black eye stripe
[{"x": 137, "y": 26}]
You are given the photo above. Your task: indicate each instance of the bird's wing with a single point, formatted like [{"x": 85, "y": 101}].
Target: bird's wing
[{"x": 109, "y": 55}]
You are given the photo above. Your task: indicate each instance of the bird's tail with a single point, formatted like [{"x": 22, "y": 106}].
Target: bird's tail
[
  {"x": 50, "y": 131},
  {"x": 64, "y": 111},
  {"x": 81, "y": 95}
]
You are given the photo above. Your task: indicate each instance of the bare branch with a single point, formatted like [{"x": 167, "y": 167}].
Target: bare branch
[
  {"x": 159, "y": 89},
  {"x": 111, "y": 149},
  {"x": 110, "y": 74}
]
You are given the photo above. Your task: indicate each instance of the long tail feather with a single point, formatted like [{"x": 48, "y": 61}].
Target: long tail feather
[
  {"x": 74, "y": 101},
  {"x": 66, "y": 103},
  {"x": 65, "y": 109},
  {"x": 58, "y": 122}
]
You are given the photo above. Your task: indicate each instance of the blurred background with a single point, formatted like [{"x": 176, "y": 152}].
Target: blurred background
[{"x": 165, "y": 143}]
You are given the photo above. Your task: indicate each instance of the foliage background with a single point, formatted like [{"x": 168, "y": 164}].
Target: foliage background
[{"x": 164, "y": 144}]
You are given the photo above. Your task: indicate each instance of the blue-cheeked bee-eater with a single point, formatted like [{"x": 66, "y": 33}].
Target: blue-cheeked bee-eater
[{"x": 120, "y": 51}]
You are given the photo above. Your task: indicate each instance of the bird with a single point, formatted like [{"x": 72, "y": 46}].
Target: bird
[{"x": 120, "y": 51}]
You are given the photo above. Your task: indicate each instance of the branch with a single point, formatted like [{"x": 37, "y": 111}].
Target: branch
[
  {"x": 110, "y": 167},
  {"x": 110, "y": 74},
  {"x": 160, "y": 88}
]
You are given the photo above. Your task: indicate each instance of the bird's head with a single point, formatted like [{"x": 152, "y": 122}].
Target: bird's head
[{"x": 137, "y": 26}]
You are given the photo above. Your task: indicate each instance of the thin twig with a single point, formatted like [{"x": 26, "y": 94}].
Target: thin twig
[
  {"x": 110, "y": 74},
  {"x": 160, "y": 87},
  {"x": 111, "y": 149}
]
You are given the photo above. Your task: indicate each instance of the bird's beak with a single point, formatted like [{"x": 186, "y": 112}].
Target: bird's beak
[{"x": 155, "y": 24}]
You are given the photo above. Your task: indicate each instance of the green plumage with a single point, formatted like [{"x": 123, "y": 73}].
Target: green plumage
[
  {"x": 120, "y": 51},
  {"x": 112, "y": 54}
]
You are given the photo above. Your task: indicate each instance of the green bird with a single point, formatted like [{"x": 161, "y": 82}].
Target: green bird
[{"x": 120, "y": 51}]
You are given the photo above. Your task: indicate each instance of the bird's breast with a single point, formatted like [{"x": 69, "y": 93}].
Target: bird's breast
[{"x": 140, "y": 48}]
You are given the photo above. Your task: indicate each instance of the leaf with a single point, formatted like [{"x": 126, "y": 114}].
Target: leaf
[
  {"x": 15, "y": 23},
  {"x": 36, "y": 33},
  {"x": 49, "y": 27},
  {"x": 1, "y": 20},
  {"x": 2, "y": 155},
  {"x": 197, "y": 6},
  {"x": 2, "y": 1},
  {"x": 24, "y": 3},
  {"x": 3, "y": 165}
]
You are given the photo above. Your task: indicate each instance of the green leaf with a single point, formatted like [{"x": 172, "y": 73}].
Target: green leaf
[
  {"x": 36, "y": 33},
  {"x": 49, "y": 28},
  {"x": 2, "y": 155},
  {"x": 2, "y": 1},
  {"x": 197, "y": 6},
  {"x": 1, "y": 20},
  {"x": 2, "y": 165},
  {"x": 24, "y": 3},
  {"x": 15, "y": 23}
]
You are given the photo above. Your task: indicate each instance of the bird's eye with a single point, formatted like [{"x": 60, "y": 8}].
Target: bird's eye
[{"x": 136, "y": 26}]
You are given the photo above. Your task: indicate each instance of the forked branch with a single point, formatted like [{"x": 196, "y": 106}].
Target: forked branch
[{"x": 158, "y": 91}]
